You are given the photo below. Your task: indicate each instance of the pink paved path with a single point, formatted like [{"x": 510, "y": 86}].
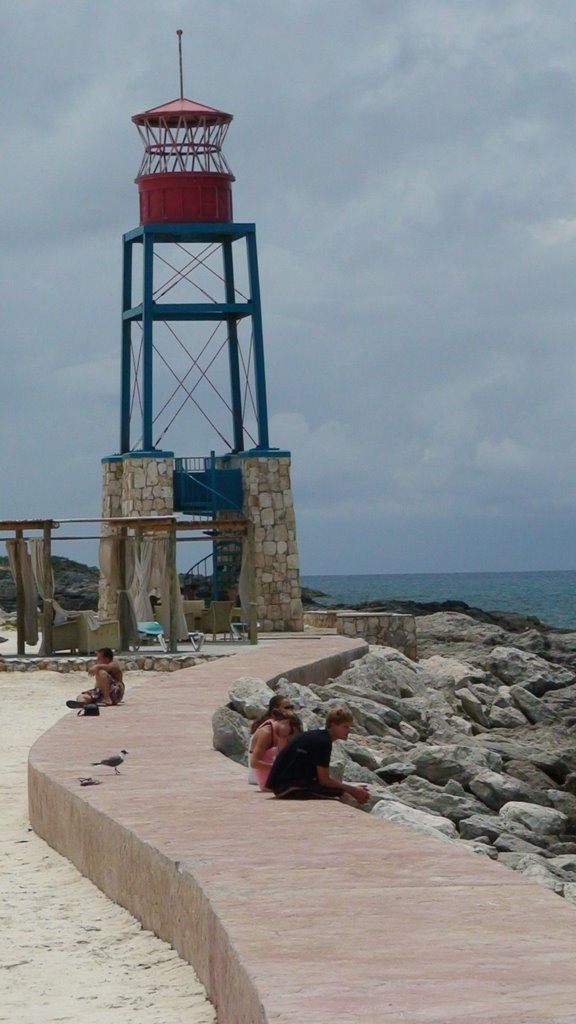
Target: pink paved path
[{"x": 293, "y": 913}]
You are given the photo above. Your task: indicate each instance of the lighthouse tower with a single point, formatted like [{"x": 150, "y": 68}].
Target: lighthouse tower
[{"x": 192, "y": 363}]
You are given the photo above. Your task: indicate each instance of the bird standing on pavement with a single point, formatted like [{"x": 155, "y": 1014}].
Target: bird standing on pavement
[{"x": 113, "y": 761}]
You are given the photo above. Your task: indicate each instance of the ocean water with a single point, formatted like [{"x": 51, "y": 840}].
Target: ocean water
[{"x": 551, "y": 596}]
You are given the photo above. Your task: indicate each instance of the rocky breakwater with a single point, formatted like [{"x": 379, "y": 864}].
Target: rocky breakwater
[{"x": 475, "y": 744}]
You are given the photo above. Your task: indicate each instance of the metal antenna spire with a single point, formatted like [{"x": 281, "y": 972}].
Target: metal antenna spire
[{"x": 179, "y": 34}]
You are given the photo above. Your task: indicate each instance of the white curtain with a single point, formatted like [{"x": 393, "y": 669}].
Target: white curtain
[
  {"x": 141, "y": 587},
  {"x": 159, "y": 579},
  {"x": 38, "y": 569},
  {"x": 18, "y": 554},
  {"x": 109, "y": 557},
  {"x": 37, "y": 557}
]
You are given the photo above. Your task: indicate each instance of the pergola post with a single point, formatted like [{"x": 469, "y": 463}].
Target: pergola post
[
  {"x": 20, "y": 597},
  {"x": 48, "y": 608},
  {"x": 172, "y": 585},
  {"x": 253, "y": 613}
]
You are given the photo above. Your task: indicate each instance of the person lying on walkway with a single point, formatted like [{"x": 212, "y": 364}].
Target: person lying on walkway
[
  {"x": 301, "y": 770},
  {"x": 109, "y": 685},
  {"x": 269, "y": 734}
]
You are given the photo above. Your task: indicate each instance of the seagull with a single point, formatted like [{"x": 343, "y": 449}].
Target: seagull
[{"x": 113, "y": 761}]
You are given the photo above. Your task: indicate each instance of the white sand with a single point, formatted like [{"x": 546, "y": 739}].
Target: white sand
[{"x": 67, "y": 953}]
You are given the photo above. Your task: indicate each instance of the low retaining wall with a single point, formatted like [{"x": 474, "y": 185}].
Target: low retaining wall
[
  {"x": 141, "y": 663},
  {"x": 165, "y": 838},
  {"x": 292, "y": 913},
  {"x": 386, "y": 629}
]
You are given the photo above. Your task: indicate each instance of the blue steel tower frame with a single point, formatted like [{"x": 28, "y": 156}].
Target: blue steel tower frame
[{"x": 148, "y": 311}]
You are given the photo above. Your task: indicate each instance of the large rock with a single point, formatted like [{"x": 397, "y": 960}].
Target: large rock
[
  {"x": 528, "y": 670},
  {"x": 495, "y": 789},
  {"x": 363, "y": 755},
  {"x": 457, "y": 636},
  {"x": 530, "y": 774},
  {"x": 538, "y": 870},
  {"x": 230, "y": 734},
  {"x": 443, "y": 762},
  {"x": 395, "y": 771},
  {"x": 490, "y": 825},
  {"x": 534, "y": 709},
  {"x": 343, "y": 767},
  {"x": 505, "y": 718},
  {"x": 473, "y": 707},
  {"x": 386, "y": 671},
  {"x": 420, "y": 821},
  {"x": 540, "y": 821},
  {"x": 427, "y": 797},
  {"x": 369, "y": 717},
  {"x": 250, "y": 697},
  {"x": 450, "y": 673},
  {"x": 303, "y": 697},
  {"x": 507, "y": 842}
]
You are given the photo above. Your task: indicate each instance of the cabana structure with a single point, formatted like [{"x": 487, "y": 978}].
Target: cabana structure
[{"x": 133, "y": 551}]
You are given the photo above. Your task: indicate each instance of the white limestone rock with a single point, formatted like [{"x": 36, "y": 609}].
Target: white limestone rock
[
  {"x": 535, "y": 674},
  {"x": 420, "y": 821},
  {"x": 250, "y": 697},
  {"x": 541, "y": 821}
]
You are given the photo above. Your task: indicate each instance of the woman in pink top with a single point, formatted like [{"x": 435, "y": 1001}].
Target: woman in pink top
[{"x": 270, "y": 733}]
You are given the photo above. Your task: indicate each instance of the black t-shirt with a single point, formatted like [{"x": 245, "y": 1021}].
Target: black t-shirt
[{"x": 296, "y": 764}]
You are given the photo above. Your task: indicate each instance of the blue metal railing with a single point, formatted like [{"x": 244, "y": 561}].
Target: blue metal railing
[{"x": 201, "y": 488}]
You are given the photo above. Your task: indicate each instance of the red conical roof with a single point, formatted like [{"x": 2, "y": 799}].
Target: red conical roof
[{"x": 172, "y": 113}]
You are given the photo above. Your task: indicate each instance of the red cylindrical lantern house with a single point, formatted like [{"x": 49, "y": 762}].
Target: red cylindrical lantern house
[{"x": 184, "y": 176}]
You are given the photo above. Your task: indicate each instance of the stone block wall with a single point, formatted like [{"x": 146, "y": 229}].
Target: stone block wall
[
  {"x": 387, "y": 629},
  {"x": 269, "y": 505},
  {"x": 147, "y": 485},
  {"x": 134, "y": 485},
  {"x": 139, "y": 485}
]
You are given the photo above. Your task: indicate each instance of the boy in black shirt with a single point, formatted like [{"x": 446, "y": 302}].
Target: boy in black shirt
[{"x": 301, "y": 770}]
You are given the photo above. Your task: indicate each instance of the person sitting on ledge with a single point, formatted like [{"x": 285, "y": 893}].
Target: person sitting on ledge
[
  {"x": 109, "y": 688},
  {"x": 301, "y": 770},
  {"x": 269, "y": 734}
]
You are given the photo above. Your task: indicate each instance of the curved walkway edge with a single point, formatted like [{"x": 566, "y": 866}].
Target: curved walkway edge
[{"x": 292, "y": 913}]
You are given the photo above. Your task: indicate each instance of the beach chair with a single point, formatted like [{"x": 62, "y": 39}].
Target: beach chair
[
  {"x": 216, "y": 619},
  {"x": 193, "y": 611},
  {"x": 152, "y": 631}
]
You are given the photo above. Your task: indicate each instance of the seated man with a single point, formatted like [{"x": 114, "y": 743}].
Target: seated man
[
  {"x": 109, "y": 686},
  {"x": 301, "y": 770}
]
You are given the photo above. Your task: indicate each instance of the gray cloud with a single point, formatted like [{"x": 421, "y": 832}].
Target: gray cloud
[{"x": 409, "y": 167}]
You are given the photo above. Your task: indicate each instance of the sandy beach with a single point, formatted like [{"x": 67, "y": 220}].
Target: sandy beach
[{"x": 67, "y": 953}]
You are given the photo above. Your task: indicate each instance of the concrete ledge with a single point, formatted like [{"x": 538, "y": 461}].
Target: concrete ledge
[{"x": 310, "y": 913}]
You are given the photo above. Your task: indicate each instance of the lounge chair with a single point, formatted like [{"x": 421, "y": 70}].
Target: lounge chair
[{"x": 152, "y": 631}]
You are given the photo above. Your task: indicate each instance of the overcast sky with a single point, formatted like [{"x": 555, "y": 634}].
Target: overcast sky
[{"x": 410, "y": 166}]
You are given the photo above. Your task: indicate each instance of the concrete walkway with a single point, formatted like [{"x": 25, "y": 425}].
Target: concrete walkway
[{"x": 311, "y": 913}]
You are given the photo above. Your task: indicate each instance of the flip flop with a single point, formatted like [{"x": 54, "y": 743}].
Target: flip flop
[{"x": 83, "y": 708}]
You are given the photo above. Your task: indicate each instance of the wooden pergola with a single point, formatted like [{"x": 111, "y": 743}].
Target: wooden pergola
[{"x": 122, "y": 528}]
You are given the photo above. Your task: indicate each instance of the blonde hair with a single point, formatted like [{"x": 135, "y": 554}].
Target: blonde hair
[{"x": 339, "y": 716}]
